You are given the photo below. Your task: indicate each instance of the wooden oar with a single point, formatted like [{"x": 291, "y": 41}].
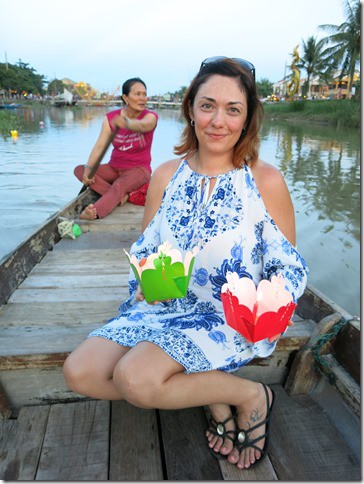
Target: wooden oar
[{"x": 99, "y": 159}]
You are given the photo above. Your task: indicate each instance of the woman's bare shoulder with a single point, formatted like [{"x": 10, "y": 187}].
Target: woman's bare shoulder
[
  {"x": 267, "y": 174},
  {"x": 262, "y": 168},
  {"x": 166, "y": 170}
]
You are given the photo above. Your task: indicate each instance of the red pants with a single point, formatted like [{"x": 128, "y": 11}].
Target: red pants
[{"x": 113, "y": 185}]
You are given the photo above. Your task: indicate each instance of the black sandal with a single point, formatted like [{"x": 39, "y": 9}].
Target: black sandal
[
  {"x": 243, "y": 440},
  {"x": 219, "y": 429}
]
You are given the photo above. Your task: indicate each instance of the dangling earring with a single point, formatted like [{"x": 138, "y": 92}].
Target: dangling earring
[
  {"x": 192, "y": 123},
  {"x": 243, "y": 131}
]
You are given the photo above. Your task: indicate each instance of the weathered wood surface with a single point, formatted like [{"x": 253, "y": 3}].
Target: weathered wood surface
[
  {"x": 15, "y": 267},
  {"x": 347, "y": 349},
  {"x": 99, "y": 440}
]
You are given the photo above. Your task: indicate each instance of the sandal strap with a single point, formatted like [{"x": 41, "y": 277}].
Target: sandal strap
[{"x": 224, "y": 434}]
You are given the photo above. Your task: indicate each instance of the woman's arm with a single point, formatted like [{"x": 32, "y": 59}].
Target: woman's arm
[
  {"x": 148, "y": 123},
  {"x": 101, "y": 144},
  {"x": 158, "y": 183},
  {"x": 276, "y": 198}
]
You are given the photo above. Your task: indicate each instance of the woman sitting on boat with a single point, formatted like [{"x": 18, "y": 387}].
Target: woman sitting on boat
[
  {"x": 221, "y": 197},
  {"x": 131, "y": 130}
]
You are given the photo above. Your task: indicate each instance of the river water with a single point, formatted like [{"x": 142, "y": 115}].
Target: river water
[{"x": 321, "y": 166}]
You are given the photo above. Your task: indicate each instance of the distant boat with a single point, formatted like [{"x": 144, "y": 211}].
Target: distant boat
[
  {"x": 10, "y": 106},
  {"x": 65, "y": 99}
]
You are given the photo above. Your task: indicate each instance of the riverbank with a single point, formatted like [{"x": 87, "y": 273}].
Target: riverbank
[{"x": 334, "y": 112}]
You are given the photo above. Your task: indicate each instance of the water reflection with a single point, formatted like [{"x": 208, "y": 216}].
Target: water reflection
[{"x": 323, "y": 166}]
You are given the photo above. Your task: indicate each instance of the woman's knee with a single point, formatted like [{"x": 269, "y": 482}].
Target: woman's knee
[
  {"x": 75, "y": 373},
  {"x": 78, "y": 172},
  {"x": 137, "y": 385}
]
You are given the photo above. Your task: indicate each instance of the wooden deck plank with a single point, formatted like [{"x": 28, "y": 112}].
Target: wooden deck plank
[
  {"x": 95, "y": 262},
  {"x": 21, "y": 442},
  {"x": 39, "y": 385},
  {"x": 127, "y": 217},
  {"x": 187, "y": 456},
  {"x": 62, "y": 281},
  {"x": 34, "y": 340},
  {"x": 76, "y": 443},
  {"x": 119, "y": 238},
  {"x": 98, "y": 267},
  {"x": 31, "y": 296},
  {"x": 73, "y": 256},
  {"x": 66, "y": 314},
  {"x": 305, "y": 446},
  {"x": 263, "y": 472},
  {"x": 135, "y": 453}
]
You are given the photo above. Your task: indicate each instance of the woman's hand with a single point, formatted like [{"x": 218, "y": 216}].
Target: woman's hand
[
  {"x": 86, "y": 180},
  {"x": 120, "y": 121},
  {"x": 277, "y": 336},
  {"x": 139, "y": 296}
]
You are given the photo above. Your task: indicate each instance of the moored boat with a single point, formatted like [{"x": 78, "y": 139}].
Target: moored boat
[
  {"x": 55, "y": 291},
  {"x": 10, "y": 106}
]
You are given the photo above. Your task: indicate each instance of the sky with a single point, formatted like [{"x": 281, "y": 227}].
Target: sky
[{"x": 103, "y": 43}]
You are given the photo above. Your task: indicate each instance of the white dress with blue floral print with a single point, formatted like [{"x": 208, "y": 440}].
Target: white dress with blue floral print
[{"x": 235, "y": 233}]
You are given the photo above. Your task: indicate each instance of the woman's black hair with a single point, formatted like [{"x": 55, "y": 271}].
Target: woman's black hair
[{"x": 128, "y": 84}]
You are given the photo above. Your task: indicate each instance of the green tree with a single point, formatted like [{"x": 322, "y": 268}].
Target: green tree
[
  {"x": 312, "y": 60},
  {"x": 264, "y": 87},
  {"x": 21, "y": 78},
  {"x": 344, "y": 40},
  {"x": 56, "y": 87}
]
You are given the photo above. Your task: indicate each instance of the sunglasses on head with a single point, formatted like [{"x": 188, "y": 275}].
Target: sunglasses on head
[{"x": 248, "y": 66}]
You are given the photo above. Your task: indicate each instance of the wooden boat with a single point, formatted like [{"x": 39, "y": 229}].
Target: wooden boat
[{"x": 55, "y": 291}]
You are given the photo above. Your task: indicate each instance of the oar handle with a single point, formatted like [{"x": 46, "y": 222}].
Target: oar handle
[{"x": 99, "y": 159}]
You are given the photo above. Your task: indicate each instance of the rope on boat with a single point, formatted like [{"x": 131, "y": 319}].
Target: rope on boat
[{"x": 316, "y": 345}]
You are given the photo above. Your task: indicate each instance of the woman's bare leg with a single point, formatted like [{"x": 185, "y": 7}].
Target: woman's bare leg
[
  {"x": 149, "y": 378},
  {"x": 88, "y": 370}
]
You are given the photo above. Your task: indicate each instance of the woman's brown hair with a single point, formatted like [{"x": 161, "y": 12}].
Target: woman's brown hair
[{"x": 246, "y": 149}]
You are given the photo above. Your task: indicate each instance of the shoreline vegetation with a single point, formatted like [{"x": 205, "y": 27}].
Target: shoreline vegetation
[{"x": 333, "y": 112}]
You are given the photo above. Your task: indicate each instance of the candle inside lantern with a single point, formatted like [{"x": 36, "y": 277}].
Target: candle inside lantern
[{"x": 255, "y": 307}]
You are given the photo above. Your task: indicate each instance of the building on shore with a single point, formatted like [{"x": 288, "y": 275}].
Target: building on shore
[{"x": 336, "y": 89}]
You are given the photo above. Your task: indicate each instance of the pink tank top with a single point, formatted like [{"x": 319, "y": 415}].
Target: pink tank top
[{"x": 131, "y": 149}]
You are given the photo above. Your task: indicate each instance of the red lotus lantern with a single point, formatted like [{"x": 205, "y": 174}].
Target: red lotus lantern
[{"x": 256, "y": 313}]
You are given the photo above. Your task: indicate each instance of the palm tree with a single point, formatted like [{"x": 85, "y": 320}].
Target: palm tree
[
  {"x": 345, "y": 41},
  {"x": 312, "y": 59}
]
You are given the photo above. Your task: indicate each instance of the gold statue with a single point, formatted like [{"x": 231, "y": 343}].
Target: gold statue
[{"x": 294, "y": 83}]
